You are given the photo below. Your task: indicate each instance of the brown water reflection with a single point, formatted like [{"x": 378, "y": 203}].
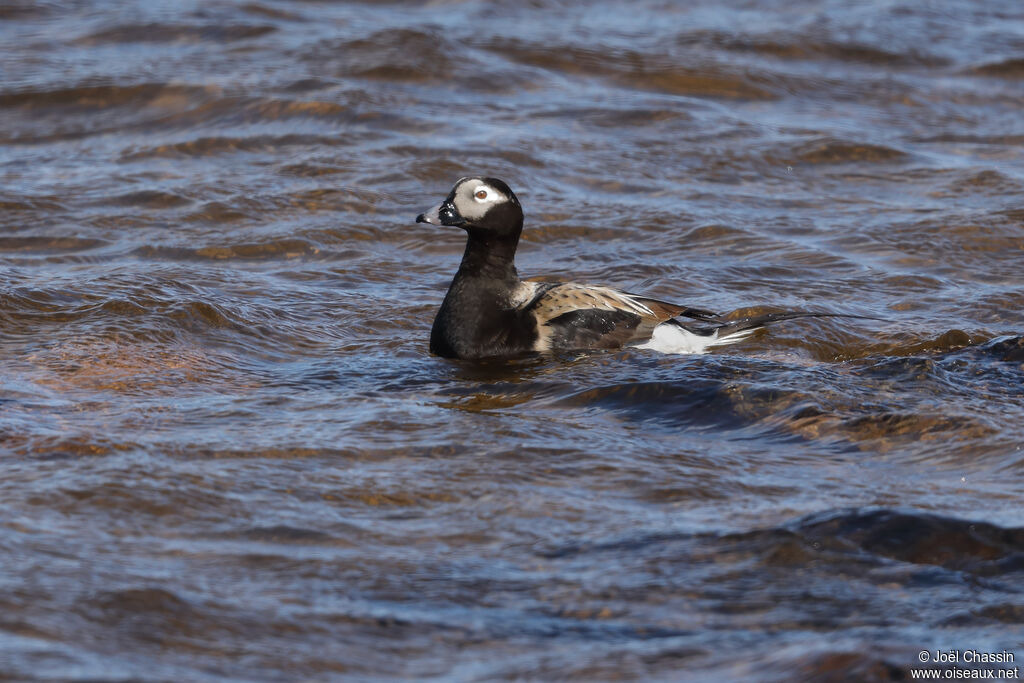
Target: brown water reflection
[{"x": 228, "y": 455}]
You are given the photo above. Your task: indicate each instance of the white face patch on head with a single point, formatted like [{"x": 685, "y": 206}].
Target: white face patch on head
[
  {"x": 474, "y": 198},
  {"x": 484, "y": 194}
]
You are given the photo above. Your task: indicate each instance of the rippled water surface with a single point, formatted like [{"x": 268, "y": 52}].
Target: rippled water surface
[{"x": 228, "y": 455}]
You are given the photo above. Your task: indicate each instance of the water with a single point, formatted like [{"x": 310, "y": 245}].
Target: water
[{"x": 227, "y": 454}]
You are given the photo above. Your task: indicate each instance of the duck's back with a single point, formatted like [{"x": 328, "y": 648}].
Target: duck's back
[{"x": 574, "y": 316}]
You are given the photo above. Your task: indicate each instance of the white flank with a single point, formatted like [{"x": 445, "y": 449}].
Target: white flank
[{"x": 668, "y": 338}]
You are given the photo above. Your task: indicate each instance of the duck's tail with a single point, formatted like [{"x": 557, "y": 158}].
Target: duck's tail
[{"x": 676, "y": 336}]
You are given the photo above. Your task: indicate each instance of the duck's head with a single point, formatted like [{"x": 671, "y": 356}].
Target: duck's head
[{"x": 483, "y": 206}]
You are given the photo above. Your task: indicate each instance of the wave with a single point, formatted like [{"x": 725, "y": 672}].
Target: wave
[
  {"x": 155, "y": 32},
  {"x": 862, "y": 537}
]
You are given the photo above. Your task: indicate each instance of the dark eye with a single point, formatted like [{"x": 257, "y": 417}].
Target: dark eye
[{"x": 481, "y": 194}]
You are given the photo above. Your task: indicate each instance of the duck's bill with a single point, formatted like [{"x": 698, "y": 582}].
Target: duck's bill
[{"x": 442, "y": 214}]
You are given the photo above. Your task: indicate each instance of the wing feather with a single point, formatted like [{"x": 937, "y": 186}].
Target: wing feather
[
  {"x": 561, "y": 297},
  {"x": 573, "y": 316},
  {"x": 570, "y": 315}
]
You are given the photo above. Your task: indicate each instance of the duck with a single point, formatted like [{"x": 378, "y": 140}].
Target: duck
[{"x": 490, "y": 312}]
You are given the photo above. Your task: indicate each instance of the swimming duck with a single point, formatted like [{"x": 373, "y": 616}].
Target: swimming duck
[{"x": 490, "y": 312}]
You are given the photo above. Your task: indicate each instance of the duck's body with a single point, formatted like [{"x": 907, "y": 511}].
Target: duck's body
[
  {"x": 480, "y": 320},
  {"x": 490, "y": 312}
]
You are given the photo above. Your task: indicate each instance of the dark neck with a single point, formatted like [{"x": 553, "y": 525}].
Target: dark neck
[
  {"x": 490, "y": 257},
  {"x": 477, "y": 318}
]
